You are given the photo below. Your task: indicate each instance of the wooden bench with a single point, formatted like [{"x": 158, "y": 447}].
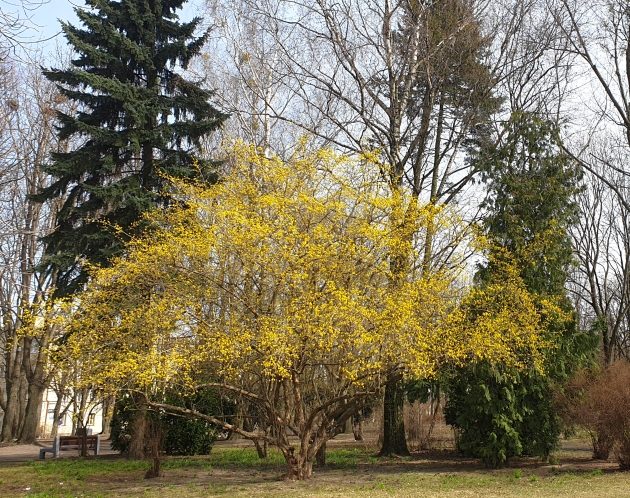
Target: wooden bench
[{"x": 63, "y": 443}]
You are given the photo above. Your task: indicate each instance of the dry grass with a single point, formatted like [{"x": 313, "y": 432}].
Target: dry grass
[{"x": 352, "y": 472}]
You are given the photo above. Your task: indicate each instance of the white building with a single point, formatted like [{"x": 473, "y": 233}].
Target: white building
[{"x": 93, "y": 417}]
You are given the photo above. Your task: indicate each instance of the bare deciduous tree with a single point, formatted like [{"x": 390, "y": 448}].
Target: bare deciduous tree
[
  {"x": 601, "y": 284},
  {"x": 27, "y": 138},
  {"x": 597, "y": 33},
  {"x": 597, "y": 36},
  {"x": 17, "y": 26}
]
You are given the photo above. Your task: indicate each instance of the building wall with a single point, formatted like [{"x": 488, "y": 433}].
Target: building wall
[{"x": 46, "y": 420}]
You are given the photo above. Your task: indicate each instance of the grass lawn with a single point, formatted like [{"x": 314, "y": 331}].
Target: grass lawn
[{"x": 349, "y": 472}]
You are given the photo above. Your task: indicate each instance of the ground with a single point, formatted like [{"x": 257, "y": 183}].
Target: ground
[{"x": 352, "y": 470}]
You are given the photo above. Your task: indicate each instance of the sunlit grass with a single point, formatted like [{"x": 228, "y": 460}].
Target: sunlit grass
[{"x": 349, "y": 472}]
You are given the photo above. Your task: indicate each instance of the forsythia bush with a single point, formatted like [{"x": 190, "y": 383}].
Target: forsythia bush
[
  {"x": 282, "y": 264},
  {"x": 296, "y": 283}
]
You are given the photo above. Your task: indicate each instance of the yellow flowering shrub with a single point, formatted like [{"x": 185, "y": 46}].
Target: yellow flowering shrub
[{"x": 278, "y": 280}]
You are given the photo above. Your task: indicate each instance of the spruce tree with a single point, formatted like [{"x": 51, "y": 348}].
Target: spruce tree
[{"x": 138, "y": 122}]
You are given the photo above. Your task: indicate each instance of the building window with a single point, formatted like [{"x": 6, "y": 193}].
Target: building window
[{"x": 91, "y": 418}]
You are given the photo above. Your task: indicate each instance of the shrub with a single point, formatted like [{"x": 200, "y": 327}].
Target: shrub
[
  {"x": 180, "y": 436},
  {"x": 187, "y": 437},
  {"x": 599, "y": 401},
  {"x": 482, "y": 406}
]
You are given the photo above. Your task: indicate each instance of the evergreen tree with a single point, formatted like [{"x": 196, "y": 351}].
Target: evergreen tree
[
  {"x": 531, "y": 202},
  {"x": 530, "y": 205},
  {"x": 138, "y": 123}
]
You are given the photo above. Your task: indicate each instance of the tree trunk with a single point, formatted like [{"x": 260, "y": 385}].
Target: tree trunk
[
  {"x": 153, "y": 434},
  {"x": 320, "y": 456},
  {"x": 155, "y": 470},
  {"x": 82, "y": 432},
  {"x": 357, "y": 426},
  {"x": 75, "y": 410},
  {"x": 33, "y": 412},
  {"x": 394, "y": 442},
  {"x": 139, "y": 429},
  {"x": 261, "y": 448},
  {"x": 428, "y": 243},
  {"x": 56, "y": 415},
  {"x": 298, "y": 467},
  {"x": 81, "y": 415},
  {"x": 606, "y": 342},
  {"x": 108, "y": 414},
  {"x": 23, "y": 400},
  {"x": 11, "y": 412},
  {"x": 138, "y": 435},
  {"x": 16, "y": 405}
]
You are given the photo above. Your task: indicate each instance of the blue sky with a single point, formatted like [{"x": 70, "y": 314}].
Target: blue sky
[{"x": 46, "y": 18}]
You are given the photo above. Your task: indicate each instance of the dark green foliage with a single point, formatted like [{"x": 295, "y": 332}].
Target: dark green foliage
[
  {"x": 120, "y": 425},
  {"x": 422, "y": 390},
  {"x": 137, "y": 123},
  {"x": 180, "y": 436},
  {"x": 187, "y": 437},
  {"x": 531, "y": 202},
  {"x": 502, "y": 412},
  {"x": 482, "y": 405},
  {"x": 539, "y": 427}
]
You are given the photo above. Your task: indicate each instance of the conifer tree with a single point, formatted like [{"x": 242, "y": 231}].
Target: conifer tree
[
  {"x": 139, "y": 122},
  {"x": 501, "y": 412}
]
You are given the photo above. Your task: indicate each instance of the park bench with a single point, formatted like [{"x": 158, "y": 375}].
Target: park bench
[{"x": 62, "y": 443}]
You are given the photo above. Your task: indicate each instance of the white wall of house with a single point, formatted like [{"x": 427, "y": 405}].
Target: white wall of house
[{"x": 94, "y": 417}]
